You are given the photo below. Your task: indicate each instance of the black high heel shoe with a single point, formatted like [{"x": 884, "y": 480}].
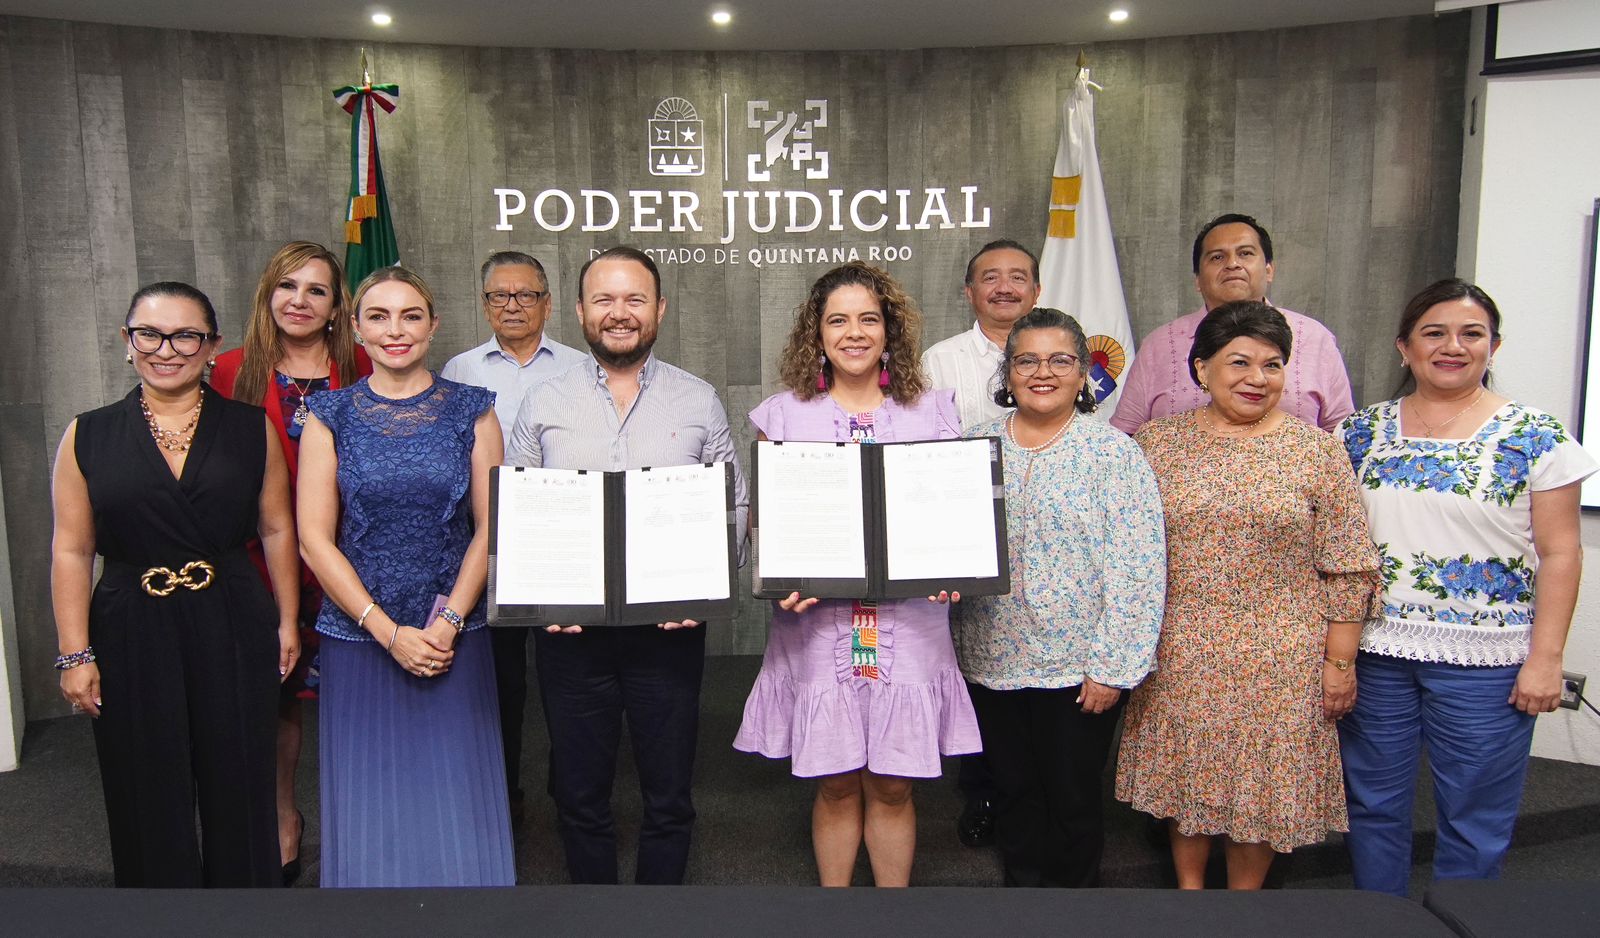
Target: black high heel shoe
[{"x": 291, "y": 870}]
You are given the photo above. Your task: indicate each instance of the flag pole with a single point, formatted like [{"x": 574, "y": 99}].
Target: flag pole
[{"x": 1083, "y": 70}]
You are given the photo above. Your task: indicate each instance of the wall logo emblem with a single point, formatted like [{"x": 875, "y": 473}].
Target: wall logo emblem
[
  {"x": 787, "y": 135},
  {"x": 677, "y": 140}
]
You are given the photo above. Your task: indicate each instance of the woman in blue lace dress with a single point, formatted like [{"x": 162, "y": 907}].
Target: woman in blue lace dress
[{"x": 393, "y": 506}]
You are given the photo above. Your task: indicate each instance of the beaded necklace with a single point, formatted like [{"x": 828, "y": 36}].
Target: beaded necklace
[{"x": 173, "y": 441}]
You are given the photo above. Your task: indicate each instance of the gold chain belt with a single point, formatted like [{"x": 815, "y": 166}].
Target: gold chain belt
[{"x": 152, "y": 580}]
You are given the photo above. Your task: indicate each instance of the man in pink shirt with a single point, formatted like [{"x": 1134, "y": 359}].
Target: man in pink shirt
[{"x": 1233, "y": 261}]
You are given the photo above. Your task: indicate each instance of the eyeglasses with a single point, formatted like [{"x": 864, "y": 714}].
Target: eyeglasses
[
  {"x": 525, "y": 298},
  {"x": 185, "y": 342},
  {"x": 1028, "y": 365}
]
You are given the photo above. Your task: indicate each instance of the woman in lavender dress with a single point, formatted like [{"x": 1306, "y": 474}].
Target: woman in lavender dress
[{"x": 862, "y": 696}]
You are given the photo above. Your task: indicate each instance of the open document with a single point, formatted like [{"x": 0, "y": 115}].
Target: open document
[
  {"x": 889, "y": 521},
  {"x": 571, "y": 547}
]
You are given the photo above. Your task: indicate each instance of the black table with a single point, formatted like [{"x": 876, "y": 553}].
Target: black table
[
  {"x": 1483, "y": 908},
  {"x": 759, "y": 911}
]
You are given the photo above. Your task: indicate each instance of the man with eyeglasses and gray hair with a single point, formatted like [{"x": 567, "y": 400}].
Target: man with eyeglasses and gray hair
[{"x": 516, "y": 303}]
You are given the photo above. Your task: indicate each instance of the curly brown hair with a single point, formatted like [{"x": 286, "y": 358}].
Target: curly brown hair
[{"x": 902, "y": 322}]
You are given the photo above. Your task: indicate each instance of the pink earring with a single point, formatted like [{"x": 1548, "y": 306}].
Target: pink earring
[
  {"x": 822, "y": 372},
  {"x": 883, "y": 375}
]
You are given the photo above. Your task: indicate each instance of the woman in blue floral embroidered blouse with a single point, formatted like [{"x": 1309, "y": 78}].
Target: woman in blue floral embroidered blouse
[
  {"x": 1470, "y": 496},
  {"x": 1048, "y": 663}
]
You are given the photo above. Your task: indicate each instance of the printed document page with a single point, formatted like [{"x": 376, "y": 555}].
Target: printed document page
[
  {"x": 677, "y": 533},
  {"x": 550, "y": 546},
  {"x": 939, "y": 510},
  {"x": 811, "y": 519}
]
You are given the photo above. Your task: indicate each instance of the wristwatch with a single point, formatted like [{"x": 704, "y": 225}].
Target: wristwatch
[{"x": 1343, "y": 664}]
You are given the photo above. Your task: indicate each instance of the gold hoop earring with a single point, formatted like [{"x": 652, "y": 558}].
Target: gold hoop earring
[{"x": 128, "y": 358}]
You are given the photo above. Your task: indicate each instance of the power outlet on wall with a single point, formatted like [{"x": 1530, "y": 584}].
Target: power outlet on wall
[{"x": 1571, "y": 689}]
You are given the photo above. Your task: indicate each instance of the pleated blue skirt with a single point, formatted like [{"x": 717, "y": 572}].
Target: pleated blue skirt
[{"x": 413, "y": 776}]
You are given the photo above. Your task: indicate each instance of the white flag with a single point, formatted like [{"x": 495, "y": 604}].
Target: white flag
[{"x": 1078, "y": 267}]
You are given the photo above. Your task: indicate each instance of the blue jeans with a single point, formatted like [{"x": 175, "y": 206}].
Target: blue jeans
[{"x": 1477, "y": 749}]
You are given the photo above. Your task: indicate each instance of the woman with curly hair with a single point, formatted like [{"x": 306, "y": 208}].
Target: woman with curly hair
[
  {"x": 1473, "y": 500},
  {"x": 298, "y": 342},
  {"x": 862, "y": 696}
]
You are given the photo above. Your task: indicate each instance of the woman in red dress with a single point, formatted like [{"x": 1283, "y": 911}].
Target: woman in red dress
[{"x": 298, "y": 341}]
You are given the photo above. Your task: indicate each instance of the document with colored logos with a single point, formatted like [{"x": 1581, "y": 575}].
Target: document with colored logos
[
  {"x": 878, "y": 521},
  {"x": 577, "y": 547}
]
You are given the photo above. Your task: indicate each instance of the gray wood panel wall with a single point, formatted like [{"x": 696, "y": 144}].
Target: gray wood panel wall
[{"x": 134, "y": 155}]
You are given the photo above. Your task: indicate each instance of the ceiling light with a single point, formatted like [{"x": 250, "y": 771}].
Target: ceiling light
[
  {"x": 382, "y": 19},
  {"x": 1118, "y": 16},
  {"x": 721, "y": 17}
]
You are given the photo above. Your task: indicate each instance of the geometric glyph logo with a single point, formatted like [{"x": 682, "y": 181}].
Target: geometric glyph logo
[
  {"x": 787, "y": 137},
  {"x": 676, "y": 144}
]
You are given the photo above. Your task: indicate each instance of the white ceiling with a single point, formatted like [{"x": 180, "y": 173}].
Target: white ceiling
[{"x": 757, "y": 24}]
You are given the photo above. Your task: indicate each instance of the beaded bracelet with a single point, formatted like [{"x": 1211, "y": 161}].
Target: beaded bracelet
[
  {"x": 72, "y": 660},
  {"x": 451, "y": 616}
]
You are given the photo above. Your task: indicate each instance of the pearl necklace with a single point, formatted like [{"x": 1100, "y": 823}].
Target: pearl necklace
[
  {"x": 1206, "y": 416},
  {"x": 175, "y": 441},
  {"x": 1431, "y": 428},
  {"x": 1011, "y": 431}
]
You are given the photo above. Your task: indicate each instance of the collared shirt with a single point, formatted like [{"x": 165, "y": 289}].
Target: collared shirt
[
  {"x": 571, "y": 422},
  {"x": 967, "y": 363},
  {"x": 490, "y": 366},
  {"x": 1316, "y": 387}
]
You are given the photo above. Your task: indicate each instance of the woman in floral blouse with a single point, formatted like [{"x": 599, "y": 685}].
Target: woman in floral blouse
[
  {"x": 1048, "y": 663},
  {"x": 1470, "y": 497}
]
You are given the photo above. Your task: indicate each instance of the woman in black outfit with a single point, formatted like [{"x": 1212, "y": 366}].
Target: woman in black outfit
[{"x": 178, "y": 650}]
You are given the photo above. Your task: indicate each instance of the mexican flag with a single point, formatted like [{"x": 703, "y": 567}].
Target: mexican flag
[{"x": 368, "y": 230}]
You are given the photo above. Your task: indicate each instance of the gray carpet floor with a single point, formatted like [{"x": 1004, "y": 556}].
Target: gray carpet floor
[{"x": 754, "y": 824}]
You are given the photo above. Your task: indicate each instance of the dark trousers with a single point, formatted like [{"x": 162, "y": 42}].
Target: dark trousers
[
  {"x": 1048, "y": 758},
  {"x": 588, "y": 683},
  {"x": 189, "y": 727},
  {"x": 510, "y": 646},
  {"x": 973, "y": 778}
]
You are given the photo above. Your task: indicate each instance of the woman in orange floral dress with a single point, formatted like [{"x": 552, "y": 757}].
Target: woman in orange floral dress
[{"x": 1270, "y": 572}]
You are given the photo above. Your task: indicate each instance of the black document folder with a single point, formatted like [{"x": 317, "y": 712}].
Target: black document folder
[
  {"x": 789, "y": 506},
  {"x": 586, "y": 541}
]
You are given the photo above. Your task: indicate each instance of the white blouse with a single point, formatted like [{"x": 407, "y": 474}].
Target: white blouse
[{"x": 1453, "y": 523}]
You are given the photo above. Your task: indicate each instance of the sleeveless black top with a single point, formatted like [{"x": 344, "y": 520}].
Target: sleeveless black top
[{"x": 146, "y": 517}]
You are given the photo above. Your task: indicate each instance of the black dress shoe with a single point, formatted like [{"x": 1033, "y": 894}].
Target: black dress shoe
[{"x": 975, "y": 826}]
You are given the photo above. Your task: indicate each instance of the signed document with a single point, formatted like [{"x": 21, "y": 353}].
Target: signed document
[
  {"x": 550, "y": 543},
  {"x": 813, "y": 522},
  {"x": 676, "y": 534},
  {"x": 938, "y": 504},
  {"x": 645, "y": 546},
  {"x": 878, "y": 521}
]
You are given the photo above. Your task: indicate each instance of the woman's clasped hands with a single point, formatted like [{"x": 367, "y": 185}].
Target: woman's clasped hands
[{"x": 424, "y": 652}]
